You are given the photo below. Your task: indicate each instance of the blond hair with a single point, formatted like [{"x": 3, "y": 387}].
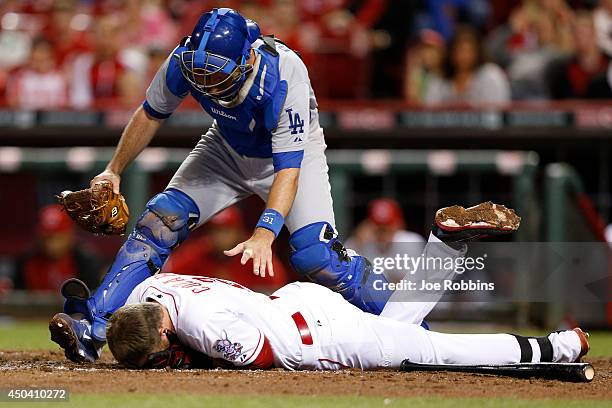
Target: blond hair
[{"x": 132, "y": 333}]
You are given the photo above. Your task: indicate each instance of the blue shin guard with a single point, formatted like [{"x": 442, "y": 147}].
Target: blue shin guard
[
  {"x": 318, "y": 255},
  {"x": 165, "y": 223}
]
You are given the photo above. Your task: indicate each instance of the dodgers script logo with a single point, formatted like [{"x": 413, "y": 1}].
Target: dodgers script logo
[
  {"x": 231, "y": 351},
  {"x": 296, "y": 124}
]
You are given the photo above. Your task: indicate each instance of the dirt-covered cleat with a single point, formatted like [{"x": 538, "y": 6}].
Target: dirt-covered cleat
[
  {"x": 459, "y": 224},
  {"x": 584, "y": 343},
  {"x": 74, "y": 337}
]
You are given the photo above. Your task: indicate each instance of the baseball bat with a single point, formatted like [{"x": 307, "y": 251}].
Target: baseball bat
[{"x": 574, "y": 372}]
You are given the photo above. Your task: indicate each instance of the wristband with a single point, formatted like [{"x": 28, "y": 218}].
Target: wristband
[{"x": 271, "y": 220}]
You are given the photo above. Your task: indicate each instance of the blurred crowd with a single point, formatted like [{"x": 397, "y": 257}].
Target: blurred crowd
[
  {"x": 80, "y": 54},
  {"x": 57, "y": 253},
  {"x": 542, "y": 50}
]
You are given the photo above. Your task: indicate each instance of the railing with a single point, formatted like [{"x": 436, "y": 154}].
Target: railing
[
  {"x": 356, "y": 116},
  {"x": 342, "y": 163},
  {"x": 570, "y": 216}
]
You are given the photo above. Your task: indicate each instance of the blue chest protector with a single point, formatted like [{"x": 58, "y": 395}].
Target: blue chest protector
[{"x": 248, "y": 126}]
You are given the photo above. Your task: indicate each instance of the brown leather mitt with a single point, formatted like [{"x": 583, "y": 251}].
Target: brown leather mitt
[{"x": 97, "y": 209}]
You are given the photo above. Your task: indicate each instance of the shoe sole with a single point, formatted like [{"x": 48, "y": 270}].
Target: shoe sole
[
  {"x": 484, "y": 216},
  {"x": 74, "y": 288},
  {"x": 62, "y": 334},
  {"x": 584, "y": 343}
]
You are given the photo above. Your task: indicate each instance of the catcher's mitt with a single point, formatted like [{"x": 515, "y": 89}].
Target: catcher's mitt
[{"x": 97, "y": 209}]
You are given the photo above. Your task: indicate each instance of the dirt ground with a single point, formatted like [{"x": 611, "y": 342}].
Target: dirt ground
[{"x": 51, "y": 370}]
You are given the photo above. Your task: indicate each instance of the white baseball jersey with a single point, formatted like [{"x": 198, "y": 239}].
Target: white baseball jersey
[
  {"x": 224, "y": 319},
  {"x": 307, "y": 326}
]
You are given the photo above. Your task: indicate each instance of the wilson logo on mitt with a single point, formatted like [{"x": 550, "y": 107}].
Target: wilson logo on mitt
[{"x": 97, "y": 209}]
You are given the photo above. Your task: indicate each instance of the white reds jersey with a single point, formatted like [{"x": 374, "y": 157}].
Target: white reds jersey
[
  {"x": 301, "y": 326},
  {"x": 224, "y": 319}
]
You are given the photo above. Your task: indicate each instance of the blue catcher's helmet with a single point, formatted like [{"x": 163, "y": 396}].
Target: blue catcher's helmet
[{"x": 215, "y": 62}]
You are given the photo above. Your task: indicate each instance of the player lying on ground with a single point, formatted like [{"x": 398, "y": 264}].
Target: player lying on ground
[{"x": 302, "y": 326}]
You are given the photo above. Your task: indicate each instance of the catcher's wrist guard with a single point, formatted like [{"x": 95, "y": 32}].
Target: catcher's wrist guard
[
  {"x": 271, "y": 220},
  {"x": 97, "y": 209}
]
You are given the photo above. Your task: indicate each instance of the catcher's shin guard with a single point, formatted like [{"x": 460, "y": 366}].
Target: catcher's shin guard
[
  {"x": 165, "y": 223},
  {"x": 321, "y": 257}
]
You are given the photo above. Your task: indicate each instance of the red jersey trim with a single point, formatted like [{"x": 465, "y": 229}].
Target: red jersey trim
[
  {"x": 265, "y": 359},
  {"x": 257, "y": 346}
]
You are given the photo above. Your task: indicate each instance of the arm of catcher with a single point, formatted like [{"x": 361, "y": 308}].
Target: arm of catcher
[
  {"x": 283, "y": 190},
  {"x": 136, "y": 136},
  {"x": 259, "y": 246}
]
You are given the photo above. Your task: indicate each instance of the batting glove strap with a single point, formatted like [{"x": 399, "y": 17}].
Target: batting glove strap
[{"x": 271, "y": 220}]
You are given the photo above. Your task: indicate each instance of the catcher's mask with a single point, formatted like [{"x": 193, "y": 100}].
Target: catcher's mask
[{"x": 218, "y": 50}]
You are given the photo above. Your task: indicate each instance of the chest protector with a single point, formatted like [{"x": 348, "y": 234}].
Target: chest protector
[{"x": 248, "y": 126}]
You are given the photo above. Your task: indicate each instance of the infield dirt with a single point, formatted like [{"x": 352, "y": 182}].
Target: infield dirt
[{"x": 49, "y": 369}]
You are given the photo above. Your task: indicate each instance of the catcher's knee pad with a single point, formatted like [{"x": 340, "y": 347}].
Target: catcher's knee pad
[
  {"x": 163, "y": 225},
  {"x": 168, "y": 218},
  {"x": 322, "y": 258}
]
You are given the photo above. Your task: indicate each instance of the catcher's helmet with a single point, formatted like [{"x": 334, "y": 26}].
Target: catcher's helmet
[{"x": 217, "y": 51}]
